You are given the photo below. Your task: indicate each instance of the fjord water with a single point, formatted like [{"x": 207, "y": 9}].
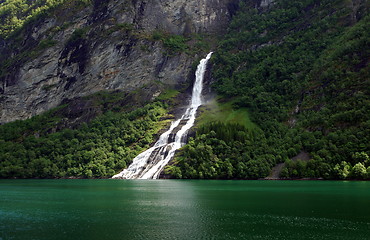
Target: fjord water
[
  {"x": 174, "y": 209},
  {"x": 150, "y": 163}
]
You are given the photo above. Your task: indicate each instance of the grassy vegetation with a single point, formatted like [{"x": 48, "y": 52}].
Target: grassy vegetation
[
  {"x": 174, "y": 44},
  {"x": 224, "y": 112},
  {"x": 168, "y": 94}
]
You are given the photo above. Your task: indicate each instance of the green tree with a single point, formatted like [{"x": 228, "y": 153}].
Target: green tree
[{"x": 359, "y": 171}]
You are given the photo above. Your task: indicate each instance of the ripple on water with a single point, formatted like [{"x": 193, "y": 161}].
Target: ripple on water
[{"x": 99, "y": 209}]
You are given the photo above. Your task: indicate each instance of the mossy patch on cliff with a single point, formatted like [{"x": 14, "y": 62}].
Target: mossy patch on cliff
[{"x": 15, "y": 14}]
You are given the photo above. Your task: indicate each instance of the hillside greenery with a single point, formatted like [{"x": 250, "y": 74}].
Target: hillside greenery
[
  {"x": 301, "y": 68},
  {"x": 16, "y": 18},
  {"x": 14, "y": 14},
  {"x": 292, "y": 80},
  {"x": 36, "y": 148}
]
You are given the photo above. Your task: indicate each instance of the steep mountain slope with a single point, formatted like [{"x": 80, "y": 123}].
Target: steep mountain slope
[
  {"x": 76, "y": 48},
  {"x": 105, "y": 62},
  {"x": 292, "y": 79},
  {"x": 301, "y": 68}
]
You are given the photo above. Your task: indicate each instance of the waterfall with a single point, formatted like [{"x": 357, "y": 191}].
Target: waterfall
[{"x": 149, "y": 164}]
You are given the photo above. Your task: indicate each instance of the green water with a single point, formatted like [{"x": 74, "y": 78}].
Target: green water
[{"x": 171, "y": 209}]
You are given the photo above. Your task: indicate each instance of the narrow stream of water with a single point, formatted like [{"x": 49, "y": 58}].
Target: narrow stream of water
[{"x": 149, "y": 164}]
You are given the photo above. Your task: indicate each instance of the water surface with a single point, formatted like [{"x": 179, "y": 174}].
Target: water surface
[{"x": 175, "y": 209}]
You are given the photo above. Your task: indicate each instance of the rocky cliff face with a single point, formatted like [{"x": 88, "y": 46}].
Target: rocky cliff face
[{"x": 76, "y": 51}]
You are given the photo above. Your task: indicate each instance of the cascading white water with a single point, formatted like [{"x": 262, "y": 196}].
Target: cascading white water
[{"x": 149, "y": 164}]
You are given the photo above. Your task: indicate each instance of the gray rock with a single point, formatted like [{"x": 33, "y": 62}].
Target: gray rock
[
  {"x": 266, "y": 3},
  {"x": 104, "y": 60}
]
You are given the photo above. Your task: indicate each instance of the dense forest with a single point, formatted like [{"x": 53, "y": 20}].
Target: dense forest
[
  {"x": 41, "y": 147},
  {"x": 295, "y": 77},
  {"x": 301, "y": 68}
]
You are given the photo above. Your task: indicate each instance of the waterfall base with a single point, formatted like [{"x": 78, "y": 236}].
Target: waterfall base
[{"x": 149, "y": 164}]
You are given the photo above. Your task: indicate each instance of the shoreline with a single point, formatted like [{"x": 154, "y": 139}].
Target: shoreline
[{"x": 259, "y": 179}]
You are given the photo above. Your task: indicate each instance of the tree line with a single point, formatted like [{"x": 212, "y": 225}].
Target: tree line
[
  {"x": 98, "y": 149},
  {"x": 301, "y": 68}
]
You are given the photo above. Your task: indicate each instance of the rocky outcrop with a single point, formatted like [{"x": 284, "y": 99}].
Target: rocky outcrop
[
  {"x": 105, "y": 46},
  {"x": 266, "y": 3}
]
